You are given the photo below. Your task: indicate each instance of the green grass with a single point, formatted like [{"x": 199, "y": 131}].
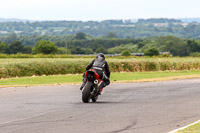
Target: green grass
[
  {"x": 42, "y": 80},
  {"x": 120, "y": 77},
  {"x": 191, "y": 129},
  {"x": 151, "y": 75}
]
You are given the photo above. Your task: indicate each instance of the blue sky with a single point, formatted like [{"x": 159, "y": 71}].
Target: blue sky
[{"x": 98, "y": 9}]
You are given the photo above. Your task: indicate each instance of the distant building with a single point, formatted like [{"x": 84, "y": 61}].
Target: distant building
[{"x": 137, "y": 54}]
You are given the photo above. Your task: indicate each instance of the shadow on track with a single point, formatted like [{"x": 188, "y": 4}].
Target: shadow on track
[{"x": 98, "y": 102}]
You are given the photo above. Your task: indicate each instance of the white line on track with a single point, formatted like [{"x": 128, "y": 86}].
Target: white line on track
[{"x": 176, "y": 130}]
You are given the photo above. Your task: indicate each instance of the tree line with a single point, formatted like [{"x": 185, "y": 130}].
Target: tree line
[{"x": 81, "y": 43}]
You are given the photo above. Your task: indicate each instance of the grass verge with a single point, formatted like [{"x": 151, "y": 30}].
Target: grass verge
[
  {"x": 115, "y": 78},
  {"x": 192, "y": 128}
]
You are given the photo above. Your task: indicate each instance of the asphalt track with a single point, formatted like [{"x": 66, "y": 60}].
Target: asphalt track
[{"x": 153, "y": 107}]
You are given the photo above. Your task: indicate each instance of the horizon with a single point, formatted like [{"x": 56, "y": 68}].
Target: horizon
[{"x": 134, "y": 19}]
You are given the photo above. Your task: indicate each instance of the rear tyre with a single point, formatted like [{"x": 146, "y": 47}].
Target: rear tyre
[{"x": 86, "y": 92}]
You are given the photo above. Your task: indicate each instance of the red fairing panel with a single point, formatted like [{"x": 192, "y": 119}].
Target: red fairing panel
[
  {"x": 85, "y": 74},
  {"x": 96, "y": 76}
]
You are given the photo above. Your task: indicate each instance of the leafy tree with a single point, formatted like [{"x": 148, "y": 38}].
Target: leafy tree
[
  {"x": 195, "y": 54},
  {"x": 88, "y": 51},
  {"x": 45, "y": 47},
  {"x": 27, "y": 50},
  {"x": 117, "y": 49},
  {"x": 11, "y": 38},
  {"x": 62, "y": 50},
  {"x": 141, "y": 44},
  {"x": 193, "y": 46},
  {"x": 77, "y": 50},
  {"x": 146, "y": 44},
  {"x": 126, "y": 53},
  {"x": 176, "y": 46},
  {"x": 122, "y": 28},
  {"x": 111, "y": 35},
  {"x": 16, "y": 47},
  {"x": 61, "y": 43},
  {"x": 151, "y": 52},
  {"x": 3, "y": 47},
  {"x": 101, "y": 50},
  {"x": 80, "y": 36}
]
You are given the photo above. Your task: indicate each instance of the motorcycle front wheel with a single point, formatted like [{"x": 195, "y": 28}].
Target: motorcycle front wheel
[{"x": 94, "y": 99}]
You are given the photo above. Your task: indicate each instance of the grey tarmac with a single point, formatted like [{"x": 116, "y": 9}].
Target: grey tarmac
[{"x": 151, "y": 107}]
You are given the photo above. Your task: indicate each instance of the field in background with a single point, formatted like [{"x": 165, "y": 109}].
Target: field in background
[{"x": 21, "y": 67}]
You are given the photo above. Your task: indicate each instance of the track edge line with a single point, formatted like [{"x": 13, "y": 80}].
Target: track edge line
[{"x": 176, "y": 130}]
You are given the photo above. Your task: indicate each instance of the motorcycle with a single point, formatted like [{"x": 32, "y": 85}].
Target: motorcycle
[{"x": 90, "y": 90}]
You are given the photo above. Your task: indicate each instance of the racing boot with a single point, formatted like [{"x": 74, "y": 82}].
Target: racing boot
[
  {"x": 83, "y": 84},
  {"x": 100, "y": 87}
]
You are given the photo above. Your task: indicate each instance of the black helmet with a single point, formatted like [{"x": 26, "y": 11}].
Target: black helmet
[{"x": 101, "y": 55}]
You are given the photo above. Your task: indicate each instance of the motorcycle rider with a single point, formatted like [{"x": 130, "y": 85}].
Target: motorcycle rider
[{"x": 101, "y": 67}]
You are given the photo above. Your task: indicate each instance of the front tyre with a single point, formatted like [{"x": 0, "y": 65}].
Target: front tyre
[
  {"x": 86, "y": 92},
  {"x": 94, "y": 99}
]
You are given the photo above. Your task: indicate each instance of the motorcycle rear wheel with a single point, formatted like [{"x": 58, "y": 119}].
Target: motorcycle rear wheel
[{"x": 86, "y": 92}]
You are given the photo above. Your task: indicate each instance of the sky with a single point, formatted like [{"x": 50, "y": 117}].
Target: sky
[{"x": 86, "y": 10}]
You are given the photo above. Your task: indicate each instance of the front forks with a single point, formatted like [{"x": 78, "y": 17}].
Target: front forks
[{"x": 94, "y": 91}]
